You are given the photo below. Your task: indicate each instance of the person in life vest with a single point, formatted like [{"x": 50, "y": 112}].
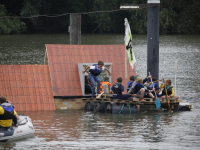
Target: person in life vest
[
  {"x": 106, "y": 82},
  {"x": 118, "y": 90},
  {"x": 169, "y": 88},
  {"x": 131, "y": 90},
  {"x": 131, "y": 83},
  {"x": 95, "y": 70},
  {"x": 155, "y": 86},
  {"x": 140, "y": 90},
  {"x": 7, "y": 114}
]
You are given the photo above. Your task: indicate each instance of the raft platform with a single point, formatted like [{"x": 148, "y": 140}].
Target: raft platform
[{"x": 136, "y": 101}]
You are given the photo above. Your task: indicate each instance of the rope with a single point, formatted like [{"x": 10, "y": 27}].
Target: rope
[
  {"x": 129, "y": 108},
  {"x": 22, "y": 120},
  {"x": 121, "y": 109},
  {"x": 65, "y": 14}
]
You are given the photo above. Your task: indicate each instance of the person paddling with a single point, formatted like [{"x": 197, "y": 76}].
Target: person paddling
[
  {"x": 169, "y": 88},
  {"x": 95, "y": 70}
]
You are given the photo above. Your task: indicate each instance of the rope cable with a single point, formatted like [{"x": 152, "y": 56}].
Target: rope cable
[{"x": 65, "y": 14}]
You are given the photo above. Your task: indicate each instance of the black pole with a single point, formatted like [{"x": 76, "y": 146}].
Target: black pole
[
  {"x": 75, "y": 29},
  {"x": 153, "y": 39}
]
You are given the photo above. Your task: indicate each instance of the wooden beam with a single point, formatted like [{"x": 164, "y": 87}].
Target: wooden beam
[{"x": 75, "y": 29}]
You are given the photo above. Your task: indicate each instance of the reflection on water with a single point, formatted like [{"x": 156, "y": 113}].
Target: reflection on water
[
  {"x": 77, "y": 129},
  {"x": 86, "y": 130}
]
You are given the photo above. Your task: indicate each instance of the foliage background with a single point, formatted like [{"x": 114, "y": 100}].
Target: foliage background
[{"x": 176, "y": 16}]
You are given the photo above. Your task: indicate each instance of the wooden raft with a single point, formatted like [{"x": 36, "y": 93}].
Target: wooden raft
[{"x": 136, "y": 101}]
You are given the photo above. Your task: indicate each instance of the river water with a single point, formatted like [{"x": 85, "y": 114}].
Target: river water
[{"x": 76, "y": 129}]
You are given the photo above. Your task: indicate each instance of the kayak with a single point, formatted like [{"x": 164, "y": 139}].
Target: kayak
[{"x": 25, "y": 129}]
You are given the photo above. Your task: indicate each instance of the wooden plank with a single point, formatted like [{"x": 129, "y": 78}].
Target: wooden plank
[
  {"x": 172, "y": 101},
  {"x": 179, "y": 100},
  {"x": 136, "y": 99},
  {"x": 118, "y": 100},
  {"x": 104, "y": 99},
  {"x": 149, "y": 99},
  {"x": 104, "y": 95}
]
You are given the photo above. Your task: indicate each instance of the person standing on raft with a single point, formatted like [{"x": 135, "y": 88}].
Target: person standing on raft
[{"x": 95, "y": 70}]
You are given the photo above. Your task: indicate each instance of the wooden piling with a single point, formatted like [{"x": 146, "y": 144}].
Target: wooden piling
[{"x": 75, "y": 29}]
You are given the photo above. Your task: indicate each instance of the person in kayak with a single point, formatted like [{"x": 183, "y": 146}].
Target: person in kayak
[
  {"x": 169, "y": 88},
  {"x": 95, "y": 70},
  {"x": 118, "y": 90},
  {"x": 7, "y": 114}
]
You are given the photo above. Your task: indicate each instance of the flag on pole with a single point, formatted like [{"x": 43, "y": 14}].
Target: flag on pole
[{"x": 128, "y": 43}]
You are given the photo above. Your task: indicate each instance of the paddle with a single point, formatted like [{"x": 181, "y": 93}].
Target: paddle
[
  {"x": 153, "y": 82},
  {"x": 167, "y": 99},
  {"x": 157, "y": 101},
  {"x": 99, "y": 96}
]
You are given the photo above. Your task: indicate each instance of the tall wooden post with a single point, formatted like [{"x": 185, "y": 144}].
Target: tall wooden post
[
  {"x": 153, "y": 38},
  {"x": 75, "y": 29}
]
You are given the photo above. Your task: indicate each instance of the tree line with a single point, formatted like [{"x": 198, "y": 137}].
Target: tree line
[{"x": 176, "y": 16}]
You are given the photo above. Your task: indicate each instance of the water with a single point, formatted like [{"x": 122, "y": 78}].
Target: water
[{"x": 76, "y": 129}]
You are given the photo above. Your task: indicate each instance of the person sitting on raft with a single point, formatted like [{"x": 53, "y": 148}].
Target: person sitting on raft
[
  {"x": 131, "y": 83},
  {"x": 88, "y": 84},
  {"x": 106, "y": 82},
  {"x": 140, "y": 90},
  {"x": 134, "y": 83},
  {"x": 95, "y": 70},
  {"x": 155, "y": 86},
  {"x": 7, "y": 114},
  {"x": 169, "y": 88},
  {"x": 118, "y": 90}
]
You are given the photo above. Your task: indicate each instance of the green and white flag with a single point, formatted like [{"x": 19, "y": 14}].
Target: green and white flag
[{"x": 128, "y": 43}]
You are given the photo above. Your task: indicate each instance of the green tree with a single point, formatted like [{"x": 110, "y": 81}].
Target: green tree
[{"x": 9, "y": 26}]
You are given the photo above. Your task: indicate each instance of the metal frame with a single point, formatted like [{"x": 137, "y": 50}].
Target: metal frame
[{"x": 82, "y": 76}]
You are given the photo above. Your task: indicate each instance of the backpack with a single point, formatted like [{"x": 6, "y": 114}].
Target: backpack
[{"x": 105, "y": 89}]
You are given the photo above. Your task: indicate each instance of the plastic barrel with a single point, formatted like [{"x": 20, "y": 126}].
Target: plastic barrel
[
  {"x": 100, "y": 107},
  {"x": 89, "y": 106},
  {"x": 181, "y": 108},
  {"x": 124, "y": 108},
  {"x": 109, "y": 108}
]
